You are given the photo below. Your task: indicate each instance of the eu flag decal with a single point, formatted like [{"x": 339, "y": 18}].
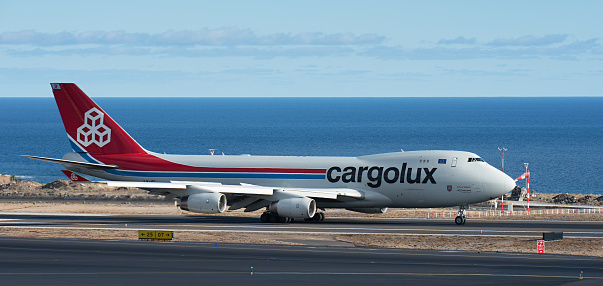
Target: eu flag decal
[{"x": 441, "y": 161}]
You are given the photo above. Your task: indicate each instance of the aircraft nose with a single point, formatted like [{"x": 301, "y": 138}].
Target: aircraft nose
[
  {"x": 497, "y": 183},
  {"x": 509, "y": 184}
]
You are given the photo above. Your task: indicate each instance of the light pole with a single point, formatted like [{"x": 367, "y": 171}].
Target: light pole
[
  {"x": 502, "y": 204},
  {"x": 503, "y": 149},
  {"x": 528, "y": 184}
]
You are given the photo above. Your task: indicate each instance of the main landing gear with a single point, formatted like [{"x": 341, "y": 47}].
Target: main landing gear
[
  {"x": 316, "y": 217},
  {"x": 460, "y": 219},
  {"x": 274, "y": 218}
]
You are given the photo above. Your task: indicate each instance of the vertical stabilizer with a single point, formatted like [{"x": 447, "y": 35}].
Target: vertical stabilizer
[{"x": 89, "y": 128}]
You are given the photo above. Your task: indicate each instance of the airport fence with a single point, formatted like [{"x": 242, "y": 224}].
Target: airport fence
[{"x": 497, "y": 213}]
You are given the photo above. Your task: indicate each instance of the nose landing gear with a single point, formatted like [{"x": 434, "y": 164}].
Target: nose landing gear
[{"x": 460, "y": 219}]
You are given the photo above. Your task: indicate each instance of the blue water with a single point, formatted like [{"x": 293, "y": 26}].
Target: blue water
[{"x": 561, "y": 138}]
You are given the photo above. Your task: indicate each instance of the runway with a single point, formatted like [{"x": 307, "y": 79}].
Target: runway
[
  {"x": 36, "y": 261},
  {"x": 526, "y": 228},
  {"x": 31, "y": 261}
]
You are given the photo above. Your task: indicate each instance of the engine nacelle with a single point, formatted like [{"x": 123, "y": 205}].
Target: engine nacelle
[
  {"x": 294, "y": 208},
  {"x": 207, "y": 203},
  {"x": 369, "y": 210}
]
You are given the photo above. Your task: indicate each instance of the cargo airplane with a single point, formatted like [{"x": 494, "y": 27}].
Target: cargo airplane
[{"x": 287, "y": 187}]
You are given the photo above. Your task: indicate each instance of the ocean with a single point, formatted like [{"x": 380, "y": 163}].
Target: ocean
[{"x": 560, "y": 138}]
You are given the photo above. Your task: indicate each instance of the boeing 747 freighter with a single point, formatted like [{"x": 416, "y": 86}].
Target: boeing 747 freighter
[{"x": 287, "y": 187}]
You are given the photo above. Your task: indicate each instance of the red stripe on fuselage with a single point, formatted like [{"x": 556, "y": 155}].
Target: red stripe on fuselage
[{"x": 148, "y": 162}]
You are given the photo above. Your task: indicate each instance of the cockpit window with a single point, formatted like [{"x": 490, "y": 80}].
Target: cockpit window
[{"x": 475, "y": 160}]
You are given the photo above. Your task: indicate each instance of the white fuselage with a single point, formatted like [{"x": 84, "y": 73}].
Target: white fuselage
[{"x": 402, "y": 179}]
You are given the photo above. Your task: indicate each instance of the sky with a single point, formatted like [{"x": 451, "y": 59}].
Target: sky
[{"x": 302, "y": 48}]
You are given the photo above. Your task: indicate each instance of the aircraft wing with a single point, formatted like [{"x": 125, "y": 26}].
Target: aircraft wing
[
  {"x": 145, "y": 185},
  {"x": 329, "y": 193},
  {"x": 242, "y": 189}
]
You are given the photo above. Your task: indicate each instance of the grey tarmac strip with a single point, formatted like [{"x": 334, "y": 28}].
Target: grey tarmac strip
[
  {"x": 35, "y": 261},
  {"x": 588, "y": 229}
]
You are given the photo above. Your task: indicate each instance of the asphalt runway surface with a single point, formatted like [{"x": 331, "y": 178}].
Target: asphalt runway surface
[
  {"x": 37, "y": 261},
  {"x": 527, "y": 228}
]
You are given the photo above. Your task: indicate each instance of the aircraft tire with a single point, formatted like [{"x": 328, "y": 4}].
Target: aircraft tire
[
  {"x": 459, "y": 220},
  {"x": 265, "y": 217},
  {"x": 273, "y": 218},
  {"x": 316, "y": 217}
]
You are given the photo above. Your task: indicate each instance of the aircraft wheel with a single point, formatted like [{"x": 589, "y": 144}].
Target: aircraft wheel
[
  {"x": 459, "y": 220},
  {"x": 265, "y": 217},
  {"x": 317, "y": 217},
  {"x": 273, "y": 218}
]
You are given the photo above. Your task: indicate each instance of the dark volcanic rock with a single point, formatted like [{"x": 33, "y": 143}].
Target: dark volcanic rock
[
  {"x": 586, "y": 200},
  {"x": 564, "y": 199},
  {"x": 58, "y": 184}
]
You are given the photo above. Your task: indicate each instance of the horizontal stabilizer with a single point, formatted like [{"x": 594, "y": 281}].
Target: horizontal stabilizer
[
  {"x": 61, "y": 161},
  {"x": 75, "y": 177}
]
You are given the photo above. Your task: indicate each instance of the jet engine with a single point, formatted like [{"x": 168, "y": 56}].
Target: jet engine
[
  {"x": 294, "y": 208},
  {"x": 369, "y": 210},
  {"x": 207, "y": 203}
]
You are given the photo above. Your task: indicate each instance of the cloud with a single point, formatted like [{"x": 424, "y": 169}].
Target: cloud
[
  {"x": 45, "y": 75},
  {"x": 247, "y": 71},
  {"x": 437, "y": 53},
  {"x": 190, "y": 52},
  {"x": 236, "y": 42},
  {"x": 460, "y": 40},
  {"x": 590, "y": 45},
  {"x": 475, "y": 72},
  {"x": 526, "y": 47},
  {"x": 530, "y": 40},
  {"x": 225, "y": 36},
  {"x": 128, "y": 75}
]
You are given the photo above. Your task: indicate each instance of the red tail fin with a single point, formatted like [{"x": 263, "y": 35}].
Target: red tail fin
[{"x": 89, "y": 128}]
